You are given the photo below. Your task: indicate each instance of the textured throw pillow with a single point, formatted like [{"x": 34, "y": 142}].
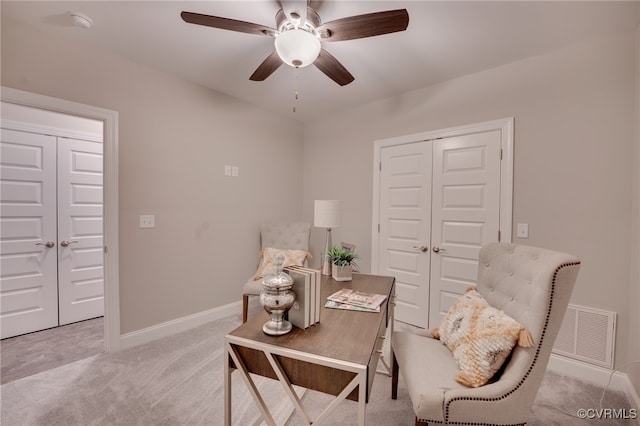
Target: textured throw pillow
[
  {"x": 291, "y": 258},
  {"x": 480, "y": 336}
]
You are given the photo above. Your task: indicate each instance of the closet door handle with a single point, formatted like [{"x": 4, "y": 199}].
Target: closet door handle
[
  {"x": 66, "y": 243},
  {"x": 48, "y": 244},
  {"x": 437, "y": 249}
]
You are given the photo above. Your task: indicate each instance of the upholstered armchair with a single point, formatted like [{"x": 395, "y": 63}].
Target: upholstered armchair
[
  {"x": 284, "y": 236},
  {"x": 532, "y": 286}
]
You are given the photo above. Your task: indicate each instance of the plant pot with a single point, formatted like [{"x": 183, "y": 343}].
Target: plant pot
[{"x": 341, "y": 273}]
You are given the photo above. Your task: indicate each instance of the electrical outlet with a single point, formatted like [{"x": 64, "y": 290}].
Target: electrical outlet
[
  {"x": 234, "y": 171},
  {"x": 522, "y": 230},
  {"x": 227, "y": 170},
  {"x": 147, "y": 221}
]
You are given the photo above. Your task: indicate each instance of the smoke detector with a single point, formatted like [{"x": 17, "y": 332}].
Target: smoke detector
[{"x": 80, "y": 20}]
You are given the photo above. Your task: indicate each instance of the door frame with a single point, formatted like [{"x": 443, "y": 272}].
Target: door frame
[
  {"x": 110, "y": 200},
  {"x": 504, "y": 125}
]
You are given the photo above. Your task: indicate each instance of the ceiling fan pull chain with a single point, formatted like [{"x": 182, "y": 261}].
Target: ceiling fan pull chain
[{"x": 295, "y": 88}]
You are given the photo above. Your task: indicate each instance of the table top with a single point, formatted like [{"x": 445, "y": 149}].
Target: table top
[{"x": 341, "y": 334}]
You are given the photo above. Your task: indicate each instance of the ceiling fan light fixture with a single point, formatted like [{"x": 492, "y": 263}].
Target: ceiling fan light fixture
[{"x": 297, "y": 47}]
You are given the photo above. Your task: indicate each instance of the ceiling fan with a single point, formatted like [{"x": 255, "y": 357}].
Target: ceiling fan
[{"x": 299, "y": 33}]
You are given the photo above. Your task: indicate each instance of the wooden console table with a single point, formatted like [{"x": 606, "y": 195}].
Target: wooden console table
[{"x": 338, "y": 356}]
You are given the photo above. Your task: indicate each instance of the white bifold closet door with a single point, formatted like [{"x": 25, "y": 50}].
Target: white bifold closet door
[
  {"x": 28, "y": 233},
  {"x": 51, "y": 248},
  {"x": 80, "y": 244},
  {"x": 439, "y": 203}
]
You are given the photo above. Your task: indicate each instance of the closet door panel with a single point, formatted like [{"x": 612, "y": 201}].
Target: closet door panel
[
  {"x": 80, "y": 230},
  {"x": 405, "y": 226},
  {"x": 465, "y": 213},
  {"x": 28, "y": 264}
]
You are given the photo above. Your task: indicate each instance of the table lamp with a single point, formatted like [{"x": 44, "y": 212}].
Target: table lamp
[{"x": 327, "y": 214}]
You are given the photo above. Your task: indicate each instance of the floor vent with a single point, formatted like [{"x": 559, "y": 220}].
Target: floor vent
[{"x": 587, "y": 335}]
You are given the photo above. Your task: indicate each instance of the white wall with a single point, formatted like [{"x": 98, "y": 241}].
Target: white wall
[
  {"x": 633, "y": 370},
  {"x": 574, "y": 130},
  {"x": 174, "y": 140}
]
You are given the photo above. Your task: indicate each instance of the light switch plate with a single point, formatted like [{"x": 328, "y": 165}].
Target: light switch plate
[
  {"x": 522, "y": 230},
  {"x": 147, "y": 221}
]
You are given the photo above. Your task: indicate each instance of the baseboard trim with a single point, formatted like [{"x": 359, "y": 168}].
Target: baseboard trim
[
  {"x": 615, "y": 380},
  {"x": 178, "y": 325}
]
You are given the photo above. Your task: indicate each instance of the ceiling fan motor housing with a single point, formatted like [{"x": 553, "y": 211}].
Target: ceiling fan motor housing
[{"x": 282, "y": 21}]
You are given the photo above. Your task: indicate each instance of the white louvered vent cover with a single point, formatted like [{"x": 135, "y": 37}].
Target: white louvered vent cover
[{"x": 587, "y": 335}]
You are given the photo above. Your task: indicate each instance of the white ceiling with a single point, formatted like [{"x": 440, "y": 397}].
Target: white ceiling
[{"x": 444, "y": 40}]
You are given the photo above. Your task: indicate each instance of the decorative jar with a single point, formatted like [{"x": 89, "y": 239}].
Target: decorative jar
[{"x": 277, "y": 298}]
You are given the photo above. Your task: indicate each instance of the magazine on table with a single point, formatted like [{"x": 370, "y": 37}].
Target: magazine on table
[
  {"x": 337, "y": 305},
  {"x": 360, "y": 299}
]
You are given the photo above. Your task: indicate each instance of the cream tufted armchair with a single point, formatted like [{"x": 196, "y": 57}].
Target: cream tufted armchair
[
  {"x": 533, "y": 286},
  {"x": 283, "y": 235}
]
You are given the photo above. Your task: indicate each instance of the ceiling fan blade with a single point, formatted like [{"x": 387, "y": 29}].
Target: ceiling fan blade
[
  {"x": 226, "y": 24},
  {"x": 332, "y": 68},
  {"x": 266, "y": 68},
  {"x": 294, "y": 9},
  {"x": 367, "y": 25}
]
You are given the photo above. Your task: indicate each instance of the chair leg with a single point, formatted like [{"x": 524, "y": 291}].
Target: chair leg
[
  {"x": 395, "y": 368},
  {"x": 245, "y": 307}
]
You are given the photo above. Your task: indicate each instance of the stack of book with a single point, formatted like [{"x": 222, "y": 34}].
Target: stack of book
[
  {"x": 305, "y": 311},
  {"x": 355, "y": 300}
]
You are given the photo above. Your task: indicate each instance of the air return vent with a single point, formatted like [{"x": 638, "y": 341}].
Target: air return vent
[{"x": 587, "y": 335}]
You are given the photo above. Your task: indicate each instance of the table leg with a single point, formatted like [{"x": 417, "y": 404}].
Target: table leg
[
  {"x": 362, "y": 399},
  {"x": 227, "y": 390},
  {"x": 253, "y": 390}
]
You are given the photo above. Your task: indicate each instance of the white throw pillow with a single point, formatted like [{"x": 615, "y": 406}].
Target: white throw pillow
[
  {"x": 291, "y": 258},
  {"x": 480, "y": 336}
]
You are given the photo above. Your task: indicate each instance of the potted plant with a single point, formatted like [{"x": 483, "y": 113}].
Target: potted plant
[{"x": 343, "y": 262}]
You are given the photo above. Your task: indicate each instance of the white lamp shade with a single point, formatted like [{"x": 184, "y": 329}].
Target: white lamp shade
[
  {"x": 297, "y": 48},
  {"x": 327, "y": 213}
]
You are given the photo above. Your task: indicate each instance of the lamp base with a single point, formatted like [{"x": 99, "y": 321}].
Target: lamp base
[{"x": 326, "y": 263}]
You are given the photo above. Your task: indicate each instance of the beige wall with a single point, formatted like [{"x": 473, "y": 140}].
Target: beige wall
[
  {"x": 174, "y": 140},
  {"x": 634, "y": 294},
  {"x": 574, "y": 130}
]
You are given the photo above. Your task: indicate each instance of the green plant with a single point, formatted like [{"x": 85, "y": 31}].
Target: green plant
[{"x": 341, "y": 257}]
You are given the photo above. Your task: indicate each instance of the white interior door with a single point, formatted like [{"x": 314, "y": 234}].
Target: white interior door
[
  {"x": 405, "y": 222},
  {"x": 465, "y": 213},
  {"x": 28, "y": 261},
  {"x": 80, "y": 245}
]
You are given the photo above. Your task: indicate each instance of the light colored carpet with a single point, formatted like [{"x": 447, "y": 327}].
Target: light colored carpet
[
  {"x": 26, "y": 355},
  {"x": 557, "y": 403},
  {"x": 172, "y": 381},
  {"x": 179, "y": 381}
]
